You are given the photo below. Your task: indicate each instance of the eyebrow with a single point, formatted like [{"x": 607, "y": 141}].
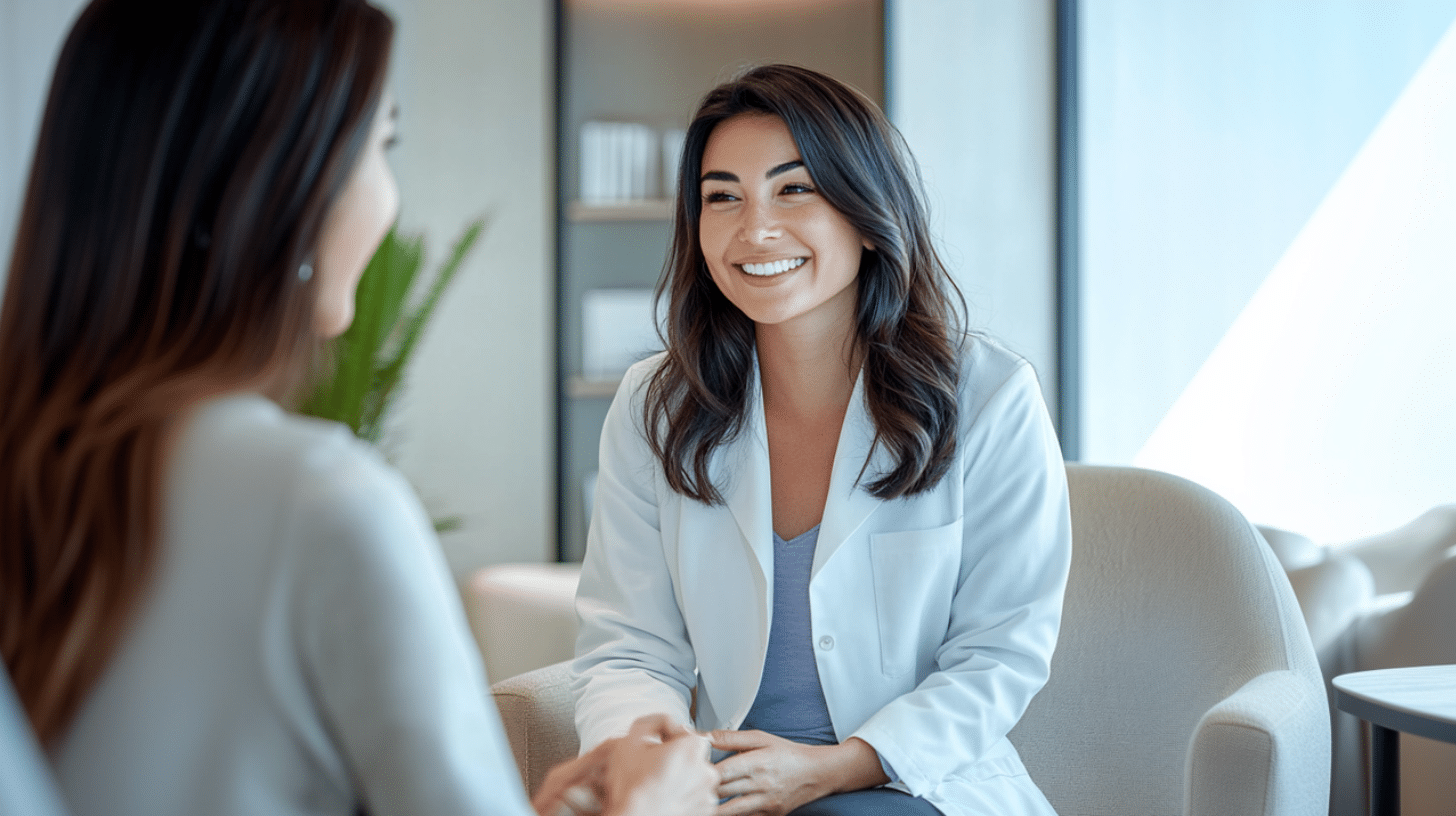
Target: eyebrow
[
  {"x": 783, "y": 168},
  {"x": 723, "y": 175}
]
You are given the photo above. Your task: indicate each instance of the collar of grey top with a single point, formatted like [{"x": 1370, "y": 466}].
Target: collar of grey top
[{"x": 808, "y": 535}]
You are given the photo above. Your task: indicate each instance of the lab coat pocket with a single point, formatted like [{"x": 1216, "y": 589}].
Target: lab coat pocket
[{"x": 915, "y": 576}]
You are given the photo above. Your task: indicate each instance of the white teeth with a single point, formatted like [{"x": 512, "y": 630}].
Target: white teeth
[{"x": 773, "y": 267}]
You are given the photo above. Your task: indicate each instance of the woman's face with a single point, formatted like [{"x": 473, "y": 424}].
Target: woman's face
[
  {"x": 355, "y": 225},
  {"x": 776, "y": 249}
]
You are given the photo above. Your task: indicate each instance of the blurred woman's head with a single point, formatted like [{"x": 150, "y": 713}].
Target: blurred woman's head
[
  {"x": 205, "y": 181},
  {"x": 906, "y": 308}
]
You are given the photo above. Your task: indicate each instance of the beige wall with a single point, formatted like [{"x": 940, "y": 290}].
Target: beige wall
[
  {"x": 971, "y": 85},
  {"x": 474, "y": 430},
  {"x": 31, "y": 33}
]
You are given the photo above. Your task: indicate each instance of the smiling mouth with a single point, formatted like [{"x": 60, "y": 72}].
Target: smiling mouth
[{"x": 766, "y": 270}]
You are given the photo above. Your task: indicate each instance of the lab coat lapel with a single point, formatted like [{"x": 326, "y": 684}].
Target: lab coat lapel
[
  {"x": 849, "y": 504},
  {"x": 747, "y": 490}
]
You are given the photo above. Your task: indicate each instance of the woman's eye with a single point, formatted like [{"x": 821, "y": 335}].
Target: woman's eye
[
  {"x": 714, "y": 196},
  {"x": 796, "y": 187}
]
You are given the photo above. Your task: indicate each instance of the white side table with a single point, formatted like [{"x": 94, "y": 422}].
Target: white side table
[{"x": 1418, "y": 700}]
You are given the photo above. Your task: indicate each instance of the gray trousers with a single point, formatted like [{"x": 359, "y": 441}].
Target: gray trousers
[{"x": 872, "y": 802}]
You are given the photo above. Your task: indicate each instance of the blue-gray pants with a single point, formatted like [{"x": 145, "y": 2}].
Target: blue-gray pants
[{"x": 872, "y": 802}]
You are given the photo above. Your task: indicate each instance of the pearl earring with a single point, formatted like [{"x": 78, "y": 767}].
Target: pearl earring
[{"x": 305, "y": 272}]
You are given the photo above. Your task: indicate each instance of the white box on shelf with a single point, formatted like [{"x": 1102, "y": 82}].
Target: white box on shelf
[
  {"x": 621, "y": 172},
  {"x": 644, "y": 162},
  {"x": 618, "y": 162},
  {"x": 590, "y": 186},
  {"x": 618, "y": 328},
  {"x": 672, "y": 147}
]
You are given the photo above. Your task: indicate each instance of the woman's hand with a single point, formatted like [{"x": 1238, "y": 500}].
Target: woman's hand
[
  {"x": 659, "y": 769},
  {"x": 771, "y": 776},
  {"x": 582, "y": 776}
]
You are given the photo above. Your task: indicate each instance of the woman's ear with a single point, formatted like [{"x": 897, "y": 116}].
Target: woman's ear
[{"x": 865, "y": 242}]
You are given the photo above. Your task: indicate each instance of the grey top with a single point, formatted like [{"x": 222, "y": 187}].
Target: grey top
[
  {"x": 790, "y": 701},
  {"x": 301, "y": 649}
]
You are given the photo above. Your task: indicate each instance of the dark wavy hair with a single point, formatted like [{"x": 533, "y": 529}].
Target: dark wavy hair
[
  {"x": 187, "y": 156},
  {"x": 909, "y": 314}
]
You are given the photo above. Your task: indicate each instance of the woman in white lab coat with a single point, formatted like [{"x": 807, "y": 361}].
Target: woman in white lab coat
[{"x": 828, "y": 509}]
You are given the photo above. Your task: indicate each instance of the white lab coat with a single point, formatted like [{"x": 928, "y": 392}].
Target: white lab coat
[{"x": 934, "y": 617}]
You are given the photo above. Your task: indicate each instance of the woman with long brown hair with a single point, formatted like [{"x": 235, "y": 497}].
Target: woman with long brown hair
[
  {"x": 835, "y": 515},
  {"x": 208, "y": 604}
]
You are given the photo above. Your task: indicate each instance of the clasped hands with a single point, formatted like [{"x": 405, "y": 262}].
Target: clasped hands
[
  {"x": 660, "y": 768},
  {"x": 770, "y": 776}
]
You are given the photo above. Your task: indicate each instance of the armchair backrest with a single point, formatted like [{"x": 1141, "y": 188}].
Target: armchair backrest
[
  {"x": 1173, "y": 605},
  {"x": 26, "y": 783}
]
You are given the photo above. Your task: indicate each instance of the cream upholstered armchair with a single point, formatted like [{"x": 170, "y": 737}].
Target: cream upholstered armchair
[{"x": 1184, "y": 680}]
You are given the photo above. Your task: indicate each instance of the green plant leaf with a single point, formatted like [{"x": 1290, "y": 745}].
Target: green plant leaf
[{"x": 448, "y": 524}]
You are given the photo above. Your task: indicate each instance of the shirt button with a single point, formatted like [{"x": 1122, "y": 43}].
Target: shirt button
[{"x": 826, "y": 643}]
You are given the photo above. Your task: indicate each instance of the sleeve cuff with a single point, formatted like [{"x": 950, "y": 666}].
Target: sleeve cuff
[{"x": 889, "y": 770}]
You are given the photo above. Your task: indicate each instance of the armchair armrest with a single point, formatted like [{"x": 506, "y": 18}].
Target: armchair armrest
[
  {"x": 538, "y": 713},
  {"x": 1264, "y": 749}
]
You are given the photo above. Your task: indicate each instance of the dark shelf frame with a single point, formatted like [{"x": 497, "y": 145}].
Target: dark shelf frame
[{"x": 1069, "y": 232}]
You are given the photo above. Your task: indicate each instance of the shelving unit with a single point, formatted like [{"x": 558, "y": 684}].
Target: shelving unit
[{"x": 649, "y": 61}]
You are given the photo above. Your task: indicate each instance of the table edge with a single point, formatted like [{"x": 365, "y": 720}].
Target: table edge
[{"x": 1396, "y": 719}]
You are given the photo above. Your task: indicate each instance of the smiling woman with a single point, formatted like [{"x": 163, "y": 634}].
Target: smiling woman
[
  {"x": 829, "y": 510},
  {"x": 781, "y": 253}
]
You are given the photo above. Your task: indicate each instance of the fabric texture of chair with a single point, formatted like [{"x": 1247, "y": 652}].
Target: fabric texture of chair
[
  {"x": 26, "y": 784},
  {"x": 1184, "y": 679},
  {"x": 537, "y": 711}
]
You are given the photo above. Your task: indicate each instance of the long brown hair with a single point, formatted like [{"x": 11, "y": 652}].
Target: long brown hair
[
  {"x": 188, "y": 154},
  {"x": 908, "y": 310}
]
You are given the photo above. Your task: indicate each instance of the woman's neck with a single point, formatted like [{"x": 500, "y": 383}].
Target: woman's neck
[{"x": 807, "y": 369}]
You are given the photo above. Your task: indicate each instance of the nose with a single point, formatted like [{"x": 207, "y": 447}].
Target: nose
[{"x": 760, "y": 223}]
